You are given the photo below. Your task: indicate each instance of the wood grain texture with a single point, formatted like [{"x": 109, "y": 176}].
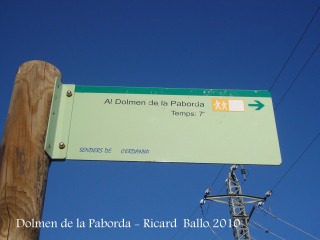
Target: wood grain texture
[{"x": 23, "y": 163}]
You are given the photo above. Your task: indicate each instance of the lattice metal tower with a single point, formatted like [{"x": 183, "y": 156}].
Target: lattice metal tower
[
  {"x": 237, "y": 207},
  {"x": 236, "y": 201}
]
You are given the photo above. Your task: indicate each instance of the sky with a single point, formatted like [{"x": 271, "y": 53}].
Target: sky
[{"x": 177, "y": 44}]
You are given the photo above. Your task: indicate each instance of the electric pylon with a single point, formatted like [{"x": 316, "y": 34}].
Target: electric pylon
[{"x": 236, "y": 201}]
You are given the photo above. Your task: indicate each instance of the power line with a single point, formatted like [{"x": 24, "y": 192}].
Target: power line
[
  {"x": 289, "y": 224},
  {"x": 216, "y": 178},
  {"x": 296, "y": 161},
  {"x": 179, "y": 229},
  {"x": 205, "y": 218},
  {"x": 266, "y": 230},
  {"x": 294, "y": 49},
  {"x": 211, "y": 229},
  {"x": 213, "y": 182},
  {"x": 298, "y": 75}
]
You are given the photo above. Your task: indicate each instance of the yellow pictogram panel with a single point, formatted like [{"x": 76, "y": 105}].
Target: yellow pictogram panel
[{"x": 227, "y": 105}]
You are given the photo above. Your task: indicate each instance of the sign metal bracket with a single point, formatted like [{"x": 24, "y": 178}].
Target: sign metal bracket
[{"x": 57, "y": 136}]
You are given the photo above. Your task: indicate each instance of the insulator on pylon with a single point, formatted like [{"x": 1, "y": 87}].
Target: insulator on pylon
[
  {"x": 207, "y": 192},
  {"x": 269, "y": 193},
  {"x": 243, "y": 172},
  {"x": 233, "y": 167}
]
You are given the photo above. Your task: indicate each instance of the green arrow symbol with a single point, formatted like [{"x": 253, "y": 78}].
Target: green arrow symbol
[{"x": 258, "y": 104}]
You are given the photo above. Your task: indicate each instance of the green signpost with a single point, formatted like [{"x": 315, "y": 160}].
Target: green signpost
[{"x": 162, "y": 125}]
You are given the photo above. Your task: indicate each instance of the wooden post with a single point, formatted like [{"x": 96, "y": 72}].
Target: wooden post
[{"x": 23, "y": 163}]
